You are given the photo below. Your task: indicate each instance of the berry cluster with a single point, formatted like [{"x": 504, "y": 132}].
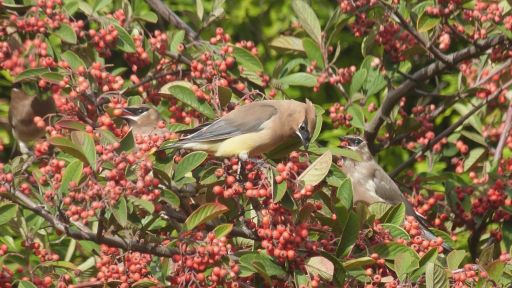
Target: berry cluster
[
  {"x": 200, "y": 263},
  {"x": 339, "y": 116},
  {"x": 128, "y": 268}
]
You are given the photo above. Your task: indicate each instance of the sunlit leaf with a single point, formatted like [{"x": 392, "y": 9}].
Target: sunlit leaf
[
  {"x": 317, "y": 171},
  {"x": 204, "y": 213},
  {"x": 308, "y": 19},
  {"x": 189, "y": 163}
]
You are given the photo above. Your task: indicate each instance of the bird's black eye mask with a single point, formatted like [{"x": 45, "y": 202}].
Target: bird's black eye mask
[
  {"x": 136, "y": 110},
  {"x": 303, "y": 133}
]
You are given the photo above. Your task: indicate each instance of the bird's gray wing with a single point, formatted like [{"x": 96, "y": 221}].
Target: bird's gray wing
[
  {"x": 246, "y": 119},
  {"x": 387, "y": 189}
]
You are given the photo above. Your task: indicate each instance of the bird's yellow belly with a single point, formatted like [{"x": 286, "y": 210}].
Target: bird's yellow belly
[{"x": 243, "y": 145}]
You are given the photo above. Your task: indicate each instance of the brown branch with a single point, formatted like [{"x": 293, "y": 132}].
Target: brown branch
[
  {"x": 168, "y": 15},
  {"x": 83, "y": 233},
  {"x": 449, "y": 130},
  {"x": 504, "y": 135},
  {"x": 423, "y": 74}
]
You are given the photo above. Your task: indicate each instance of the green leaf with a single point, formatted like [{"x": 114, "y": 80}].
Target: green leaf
[
  {"x": 61, "y": 264},
  {"x": 73, "y": 60},
  {"x": 176, "y": 40},
  {"x": 71, "y": 124},
  {"x": 120, "y": 212},
  {"x": 270, "y": 267},
  {"x": 86, "y": 143},
  {"x": 507, "y": 233},
  {"x": 405, "y": 264},
  {"x": 222, "y": 230},
  {"x": 349, "y": 234},
  {"x": 344, "y": 194},
  {"x": 429, "y": 257},
  {"x": 25, "y": 284},
  {"x": 358, "y": 263},
  {"x": 200, "y": 9},
  {"x": 454, "y": 259},
  {"x": 394, "y": 215},
  {"x": 171, "y": 198},
  {"x": 357, "y": 116},
  {"x": 375, "y": 83},
  {"x": 148, "y": 16},
  {"x": 299, "y": 79},
  {"x": 320, "y": 266},
  {"x": 189, "y": 163},
  {"x": 66, "y": 33},
  {"x": 279, "y": 191},
  {"x": 308, "y": 20},
  {"x": 72, "y": 173},
  {"x": 474, "y": 156},
  {"x": 204, "y": 213},
  {"x": 287, "y": 43},
  {"x": 225, "y": 95},
  {"x": 30, "y": 73},
  {"x": 144, "y": 204},
  {"x": 127, "y": 143},
  {"x": 7, "y": 212},
  {"x": 52, "y": 77},
  {"x": 392, "y": 250},
  {"x": 396, "y": 231},
  {"x": 436, "y": 276},
  {"x": 100, "y": 4},
  {"x": 358, "y": 80},
  {"x": 187, "y": 96},
  {"x": 339, "y": 275},
  {"x": 478, "y": 138},
  {"x": 313, "y": 52},
  {"x": 248, "y": 61},
  {"x": 69, "y": 147},
  {"x": 144, "y": 283},
  {"x": 317, "y": 171},
  {"x": 427, "y": 22},
  {"x": 124, "y": 40}
]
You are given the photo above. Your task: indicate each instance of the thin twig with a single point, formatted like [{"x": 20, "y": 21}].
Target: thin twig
[
  {"x": 449, "y": 130},
  {"x": 168, "y": 15},
  {"x": 423, "y": 74},
  {"x": 504, "y": 135},
  {"x": 423, "y": 43}
]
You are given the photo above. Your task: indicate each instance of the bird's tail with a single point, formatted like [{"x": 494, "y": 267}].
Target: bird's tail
[{"x": 428, "y": 234}]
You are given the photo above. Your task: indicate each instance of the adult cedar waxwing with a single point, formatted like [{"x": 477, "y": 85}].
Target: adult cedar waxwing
[
  {"x": 143, "y": 120},
  {"x": 371, "y": 184},
  {"x": 22, "y": 110},
  {"x": 253, "y": 129}
]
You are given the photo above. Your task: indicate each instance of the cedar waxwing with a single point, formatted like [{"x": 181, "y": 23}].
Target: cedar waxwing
[
  {"x": 371, "y": 184},
  {"x": 143, "y": 120},
  {"x": 22, "y": 110},
  {"x": 253, "y": 129}
]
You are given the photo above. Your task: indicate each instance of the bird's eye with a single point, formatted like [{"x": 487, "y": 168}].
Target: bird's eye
[
  {"x": 358, "y": 141},
  {"x": 303, "y": 127}
]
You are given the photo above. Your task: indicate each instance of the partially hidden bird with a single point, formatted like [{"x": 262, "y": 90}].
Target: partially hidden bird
[
  {"x": 143, "y": 120},
  {"x": 23, "y": 109},
  {"x": 252, "y": 129},
  {"x": 371, "y": 184}
]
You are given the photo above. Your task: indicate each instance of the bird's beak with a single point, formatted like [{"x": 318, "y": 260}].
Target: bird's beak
[
  {"x": 304, "y": 137},
  {"x": 128, "y": 115}
]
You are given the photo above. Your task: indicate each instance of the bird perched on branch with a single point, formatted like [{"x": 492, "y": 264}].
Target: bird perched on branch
[
  {"x": 143, "y": 120},
  {"x": 22, "y": 111},
  {"x": 371, "y": 184},
  {"x": 252, "y": 129}
]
